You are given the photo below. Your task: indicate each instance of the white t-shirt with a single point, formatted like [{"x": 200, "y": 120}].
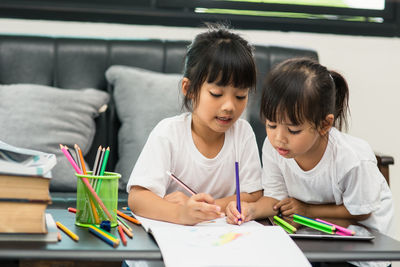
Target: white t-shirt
[
  {"x": 347, "y": 174},
  {"x": 170, "y": 147}
]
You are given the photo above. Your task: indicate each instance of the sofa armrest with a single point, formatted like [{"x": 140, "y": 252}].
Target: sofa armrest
[{"x": 383, "y": 164}]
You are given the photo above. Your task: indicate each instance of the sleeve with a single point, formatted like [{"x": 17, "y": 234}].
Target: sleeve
[
  {"x": 154, "y": 160},
  {"x": 272, "y": 179},
  {"x": 250, "y": 165},
  {"x": 361, "y": 188}
]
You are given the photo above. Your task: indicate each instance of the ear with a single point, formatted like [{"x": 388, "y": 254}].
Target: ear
[
  {"x": 326, "y": 124},
  {"x": 185, "y": 85}
]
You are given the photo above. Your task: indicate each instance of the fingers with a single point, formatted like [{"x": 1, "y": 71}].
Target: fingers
[
  {"x": 204, "y": 197},
  {"x": 202, "y": 207},
  {"x": 232, "y": 214},
  {"x": 279, "y": 205}
]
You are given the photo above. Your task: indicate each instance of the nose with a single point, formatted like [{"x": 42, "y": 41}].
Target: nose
[
  {"x": 280, "y": 135},
  {"x": 229, "y": 104}
]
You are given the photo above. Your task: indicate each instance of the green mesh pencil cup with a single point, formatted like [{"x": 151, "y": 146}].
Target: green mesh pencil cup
[{"x": 88, "y": 209}]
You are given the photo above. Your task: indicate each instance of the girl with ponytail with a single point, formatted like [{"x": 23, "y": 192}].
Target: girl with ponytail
[{"x": 310, "y": 167}]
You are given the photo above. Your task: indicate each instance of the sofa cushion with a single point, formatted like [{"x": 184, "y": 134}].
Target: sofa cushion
[
  {"x": 42, "y": 117},
  {"x": 142, "y": 98}
]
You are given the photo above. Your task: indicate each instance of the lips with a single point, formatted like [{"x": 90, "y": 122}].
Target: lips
[
  {"x": 282, "y": 152},
  {"x": 224, "y": 120}
]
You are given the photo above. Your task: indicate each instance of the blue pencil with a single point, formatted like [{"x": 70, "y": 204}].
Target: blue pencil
[{"x": 239, "y": 208}]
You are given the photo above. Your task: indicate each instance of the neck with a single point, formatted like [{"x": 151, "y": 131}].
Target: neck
[
  {"x": 207, "y": 141},
  {"x": 309, "y": 160}
]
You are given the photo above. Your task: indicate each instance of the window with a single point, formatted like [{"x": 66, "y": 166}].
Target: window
[{"x": 356, "y": 17}]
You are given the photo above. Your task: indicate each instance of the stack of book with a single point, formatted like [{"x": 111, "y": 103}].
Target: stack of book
[{"x": 24, "y": 189}]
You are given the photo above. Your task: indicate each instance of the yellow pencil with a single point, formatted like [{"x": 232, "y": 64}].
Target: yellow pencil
[{"x": 67, "y": 231}]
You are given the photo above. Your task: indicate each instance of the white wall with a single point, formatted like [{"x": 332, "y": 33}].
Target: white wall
[{"x": 370, "y": 64}]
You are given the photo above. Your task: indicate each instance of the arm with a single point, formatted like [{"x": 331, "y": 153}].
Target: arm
[
  {"x": 198, "y": 208},
  {"x": 290, "y": 206},
  {"x": 260, "y": 209},
  {"x": 246, "y": 197}
]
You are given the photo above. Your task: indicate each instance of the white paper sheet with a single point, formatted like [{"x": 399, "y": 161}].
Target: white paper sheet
[{"x": 217, "y": 243}]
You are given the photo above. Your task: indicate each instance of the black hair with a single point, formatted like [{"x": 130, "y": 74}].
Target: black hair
[
  {"x": 304, "y": 90},
  {"x": 218, "y": 56}
]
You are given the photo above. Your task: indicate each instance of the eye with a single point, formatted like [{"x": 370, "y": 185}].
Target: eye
[
  {"x": 294, "y": 132},
  {"x": 215, "y": 95},
  {"x": 270, "y": 126},
  {"x": 241, "y": 97}
]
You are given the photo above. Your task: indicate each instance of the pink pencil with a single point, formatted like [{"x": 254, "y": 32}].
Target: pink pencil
[
  {"x": 181, "y": 183},
  {"x": 342, "y": 230},
  {"x": 85, "y": 181}
]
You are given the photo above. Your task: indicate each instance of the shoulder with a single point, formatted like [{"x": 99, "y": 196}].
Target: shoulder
[
  {"x": 170, "y": 130},
  {"x": 350, "y": 150},
  {"x": 242, "y": 128},
  {"x": 171, "y": 125}
]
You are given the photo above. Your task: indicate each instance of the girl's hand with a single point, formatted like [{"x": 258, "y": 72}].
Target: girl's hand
[
  {"x": 177, "y": 198},
  {"x": 198, "y": 208},
  {"x": 234, "y": 217},
  {"x": 290, "y": 206}
]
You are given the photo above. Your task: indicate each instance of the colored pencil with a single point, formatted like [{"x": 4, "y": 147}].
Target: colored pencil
[
  {"x": 108, "y": 234},
  {"x": 67, "y": 231},
  {"x": 100, "y": 161},
  {"x": 105, "y": 159},
  {"x": 286, "y": 224},
  {"x": 96, "y": 160},
  {"x": 103, "y": 168},
  {"x": 313, "y": 224},
  {"x": 97, "y": 173},
  {"x": 77, "y": 148},
  {"x": 129, "y": 218},
  {"x": 78, "y": 158},
  {"x": 73, "y": 210},
  {"x": 83, "y": 167},
  {"x": 124, "y": 223},
  {"x": 102, "y": 237},
  {"x": 125, "y": 229},
  {"x": 86, "y": 182},
  {"x": 176, "y": 179},
  {"x": 238, "y": 205},
  {"x": 341, "y": 229},
  {"x": 121, "y": 234}
]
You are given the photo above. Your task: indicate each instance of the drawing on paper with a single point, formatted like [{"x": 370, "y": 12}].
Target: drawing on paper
[{"x": 227, "y": 238}]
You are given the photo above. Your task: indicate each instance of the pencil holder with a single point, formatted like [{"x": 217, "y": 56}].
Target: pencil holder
[{"x": 97, "y": 199}]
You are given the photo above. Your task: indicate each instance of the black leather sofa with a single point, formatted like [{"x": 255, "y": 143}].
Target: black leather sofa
[{"x": 81, "y": 63}]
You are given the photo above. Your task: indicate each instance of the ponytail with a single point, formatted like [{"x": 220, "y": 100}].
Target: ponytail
[{"x": 342, "y": 100}]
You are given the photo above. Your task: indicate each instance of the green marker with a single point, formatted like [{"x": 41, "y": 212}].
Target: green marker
[
  {"x": 313, "y": 224},
  {"x": 284, "y": 223},
  {"x": 283, "y": 226}
]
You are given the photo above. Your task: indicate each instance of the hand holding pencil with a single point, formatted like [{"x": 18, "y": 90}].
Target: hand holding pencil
[
  {"x": 200, "y": 207},
  {"x": 233, "y": 215}
]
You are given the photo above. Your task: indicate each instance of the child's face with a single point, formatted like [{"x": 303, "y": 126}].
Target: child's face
[
  {"x": 302, "y": 142},
  {"x": 218, "y": 107}
]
